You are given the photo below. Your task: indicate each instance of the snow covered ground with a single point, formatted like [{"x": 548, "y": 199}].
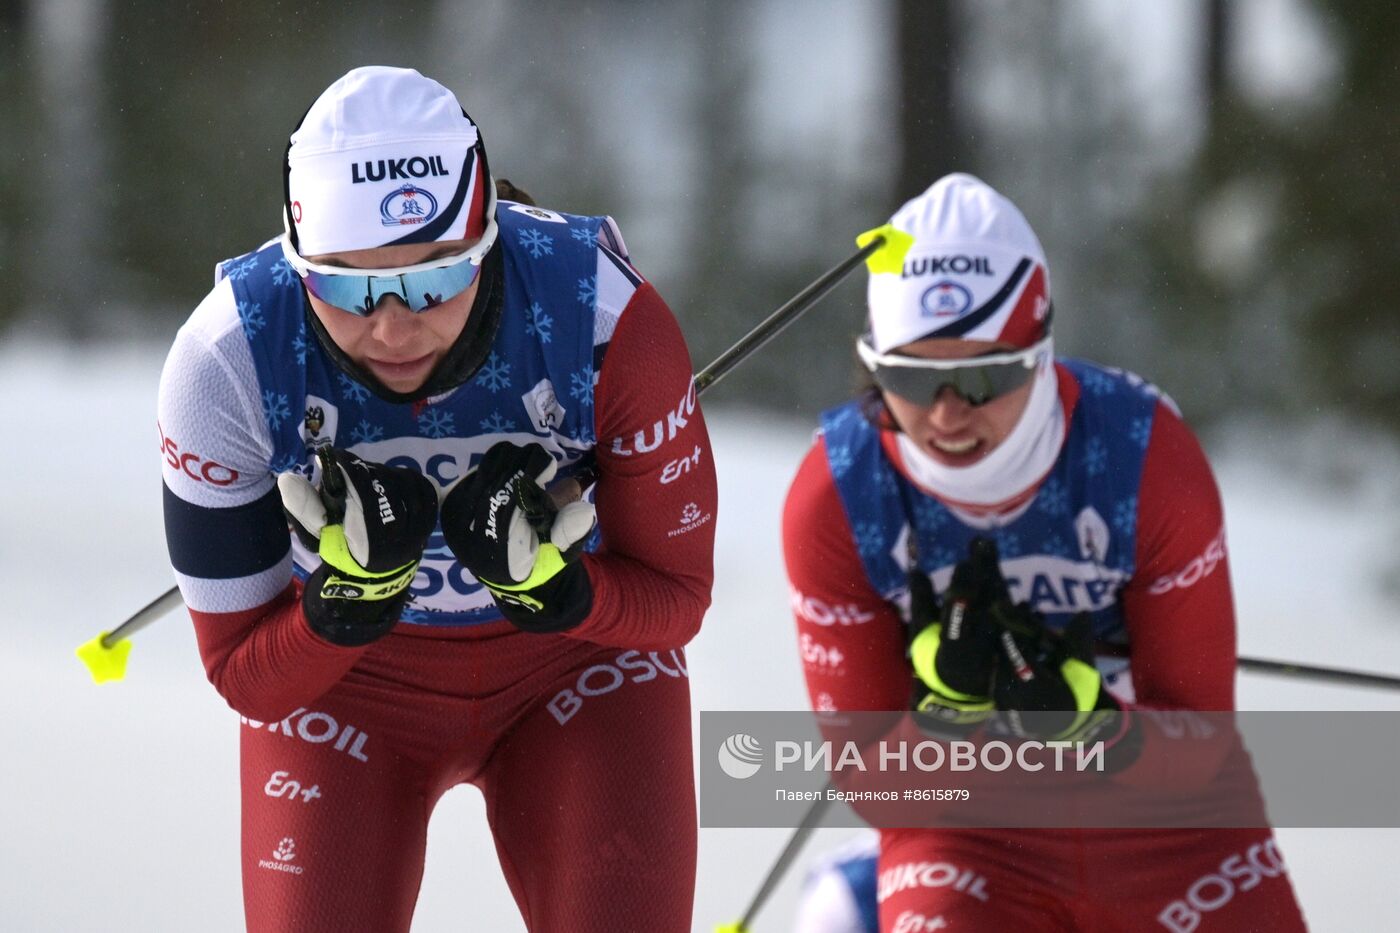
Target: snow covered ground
[{"x": 118, "y": 804}]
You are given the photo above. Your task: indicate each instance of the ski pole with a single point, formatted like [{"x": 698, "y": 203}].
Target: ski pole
[
  {"x": 776, "y": 322},
  {"x": 1334, "y": 675},
  {"x": 785, "y": 859},
  {"x": 105, "y": 655}
]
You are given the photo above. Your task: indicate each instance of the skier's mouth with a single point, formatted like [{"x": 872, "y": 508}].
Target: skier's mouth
[
  {"x": 398, "y": 372},
  {"x": 961, "y": 451}
]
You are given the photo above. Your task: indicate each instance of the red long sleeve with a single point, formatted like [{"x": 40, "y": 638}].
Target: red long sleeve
[
  {"x": 266, "y": 662},
  {"x": 1178, "y": 607},
  {"x": 852, "y": 641},
  {"x": 657, "y": 493}
]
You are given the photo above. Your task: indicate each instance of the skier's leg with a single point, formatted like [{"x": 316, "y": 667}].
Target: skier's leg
[
  {"x": 1187, "y": 881},
  {"x": 334, "y": 824},
  {"x": 985, "y": 881},
  {"x": 591, "y": 797}
]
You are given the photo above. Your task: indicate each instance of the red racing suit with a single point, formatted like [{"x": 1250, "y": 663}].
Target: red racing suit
[{"x": 1180, "y": 627}]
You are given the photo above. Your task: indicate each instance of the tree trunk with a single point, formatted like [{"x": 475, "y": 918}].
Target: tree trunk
[{"x": 930, "y": 145}]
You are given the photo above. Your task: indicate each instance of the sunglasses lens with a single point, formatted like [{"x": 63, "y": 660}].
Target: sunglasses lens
[
  {"x": 421, "y": 290},
  {"x": 976, "y": 384}
]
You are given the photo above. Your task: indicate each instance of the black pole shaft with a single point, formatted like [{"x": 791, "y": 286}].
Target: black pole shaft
[
  {"x": 789, "y": 854},
  {"x": 776, "y": 322},
  {"x": 144, "y": 616},
  {"x": 1313, "y": 672}
]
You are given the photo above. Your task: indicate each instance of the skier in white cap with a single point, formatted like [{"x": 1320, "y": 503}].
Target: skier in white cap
[
  {"x": 400, "y": 375},
  {"x": 992, "y": 529}
]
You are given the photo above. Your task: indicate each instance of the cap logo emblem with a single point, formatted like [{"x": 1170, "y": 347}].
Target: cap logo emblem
[
  {"x": 407, "y": 206},
  {"x": 945, "y": 300}
]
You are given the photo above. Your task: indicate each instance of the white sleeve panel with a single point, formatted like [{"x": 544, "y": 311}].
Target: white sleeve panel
[
  {"x": 215, "y": 443},
  {"x": 617, "y": 282},
  {"x": 238, "y": 594}
]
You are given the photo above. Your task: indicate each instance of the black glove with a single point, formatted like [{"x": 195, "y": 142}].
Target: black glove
[
  {"x": 954, "y": 657},
  {"x": 1051, "y": 675},
  {"x": 369, "y": 523},
  {"x": 501, "y": 525}
]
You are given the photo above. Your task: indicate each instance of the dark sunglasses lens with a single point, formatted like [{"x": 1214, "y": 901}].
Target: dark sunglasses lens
[{"x": 978, "y": 385}]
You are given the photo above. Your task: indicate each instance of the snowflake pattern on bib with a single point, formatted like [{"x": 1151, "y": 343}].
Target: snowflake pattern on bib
[
  {"x": 536, "y": 386},
  {"x": 1072, "y": 549}
]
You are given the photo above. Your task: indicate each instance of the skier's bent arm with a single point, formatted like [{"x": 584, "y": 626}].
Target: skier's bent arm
[
  {"x": 225, "y": 529},
  {"x": 1179, "y": 609},
  {"x": 656, "y": 491},
  {"x": 853, "y": 640}
]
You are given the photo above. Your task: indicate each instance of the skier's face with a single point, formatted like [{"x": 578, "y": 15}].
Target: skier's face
[
  {"x": 951, "y": 430},
  {"x": 400, "y": 348}
]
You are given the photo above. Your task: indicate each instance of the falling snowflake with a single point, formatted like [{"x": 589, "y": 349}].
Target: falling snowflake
[
  {"x": 495, "y": 374},
  {"x": 1053, "y": 498},
  {"x": 868, "y": 538},
  {"x": 497, "y": 424},
  {"x": 1095, "y": 456},
  {"x": 587, "y": 290},
  {"x": 352, "y": 390},
  {"x": 1140, "y": 431},
  {"x": 435, "y": 423},
  {"x": 537, "y": 322},
  {"x": 581, "y": 386},
  {"x": 252, "y": 317},
  {"x": 839, "y": 458},
  {"x": 537, "y": 243},
  {"x": 1096, "y": 382},
  {"x": 282, "y": 272},
  {"x": 275, "y": 408},
  {"x": 1056, "y": 546},
  {"x": 366, "y": 433},
  {"x": 585, "y": 236},
  {"x": 240, "y": 268},
  {"x": 1125, "y": 516}
]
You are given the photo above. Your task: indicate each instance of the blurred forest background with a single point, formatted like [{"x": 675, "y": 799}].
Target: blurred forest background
[{"x": 1215, "y": 182}]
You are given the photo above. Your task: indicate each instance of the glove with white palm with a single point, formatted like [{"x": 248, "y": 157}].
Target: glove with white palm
[
  {"x": 501, "y": 525},
  {"x": 369, "y": 523}
]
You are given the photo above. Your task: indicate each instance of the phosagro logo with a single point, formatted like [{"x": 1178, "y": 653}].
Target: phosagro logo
[
  {"x": 691, "y": 519},
  {"x": 282, "y": 857},
  {"x": 741, "y": 756}
]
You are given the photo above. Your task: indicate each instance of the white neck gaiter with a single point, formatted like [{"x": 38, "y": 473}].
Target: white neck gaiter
[{"x": 1017, "y": 464}]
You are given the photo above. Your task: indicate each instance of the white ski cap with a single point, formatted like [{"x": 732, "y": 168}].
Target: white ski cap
[
  {"x": 975, "y": 271},
  {"x": 384, "y": 156}
]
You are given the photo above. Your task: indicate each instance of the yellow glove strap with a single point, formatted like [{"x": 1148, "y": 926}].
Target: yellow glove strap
[
  {"x": 365, "y": 585},
  {"x": 1084, "y": 683},
  {"x": 548, "y": 562},
  {"x": 922, "y": 653}
]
